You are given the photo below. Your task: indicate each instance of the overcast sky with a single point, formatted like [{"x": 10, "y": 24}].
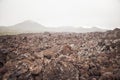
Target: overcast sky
[{"x": 54, "y": 13}]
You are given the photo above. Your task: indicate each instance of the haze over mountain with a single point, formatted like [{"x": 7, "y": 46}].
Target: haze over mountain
[
  {"x": 52, "y": 13},
  {"x": 28, "y": 26},
  {"x": 31, "y": 26}
]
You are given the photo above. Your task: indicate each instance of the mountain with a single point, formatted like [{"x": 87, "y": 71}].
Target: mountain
[
  {"x": 33, "y": 27},
  {"x": 28, "y": 26},
  {"x": 92, "y": 29},
  {"x": 77, "y": 30}
]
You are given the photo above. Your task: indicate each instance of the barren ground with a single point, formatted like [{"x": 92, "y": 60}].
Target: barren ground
[{"x": 60, "y": 56}]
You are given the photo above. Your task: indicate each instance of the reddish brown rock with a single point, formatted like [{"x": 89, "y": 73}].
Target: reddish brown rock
[
  {"x": 60, "y": 70},
  {"x": 60, "y": 56}
]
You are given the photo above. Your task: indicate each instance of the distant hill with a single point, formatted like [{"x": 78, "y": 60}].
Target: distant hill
[
  {"x": 78, "y": 30},
  {"x": 28, "y": 26},
  {"x": 33, "y": 27},
  {"x": 93, "y": 29}
]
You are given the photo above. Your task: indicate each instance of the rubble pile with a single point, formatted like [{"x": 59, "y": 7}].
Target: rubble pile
[{"x": 60, "y": 56}]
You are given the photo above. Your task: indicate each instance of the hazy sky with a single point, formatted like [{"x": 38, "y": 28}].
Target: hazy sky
[{"x": 53, "y": 13}]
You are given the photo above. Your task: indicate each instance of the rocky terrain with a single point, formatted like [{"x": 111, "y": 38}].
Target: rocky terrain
[{"x": 60, "y": 56}]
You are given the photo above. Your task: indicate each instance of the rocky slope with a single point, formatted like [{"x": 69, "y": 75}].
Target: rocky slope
[{"x": 60, "y": 56}]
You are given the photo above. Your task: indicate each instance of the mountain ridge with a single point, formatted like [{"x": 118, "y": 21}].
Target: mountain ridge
[{"x": 30, "y": 26}]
